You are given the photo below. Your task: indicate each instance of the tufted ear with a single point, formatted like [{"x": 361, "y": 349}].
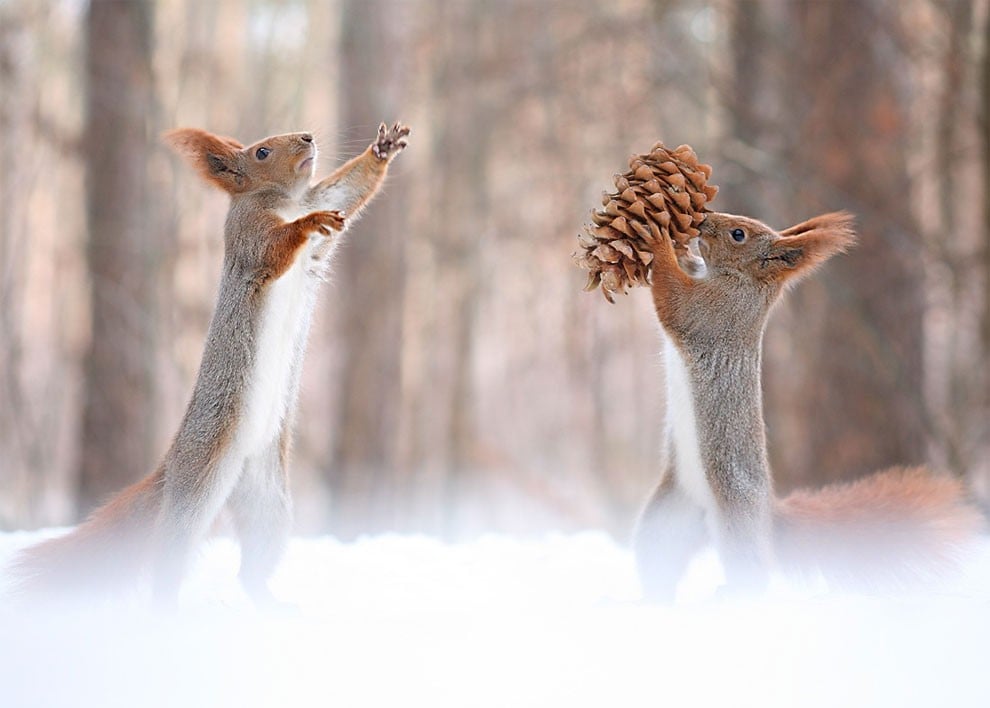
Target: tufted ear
[
  {"x": 805, "y": 246},
  {"x": 215, "y": 158}
]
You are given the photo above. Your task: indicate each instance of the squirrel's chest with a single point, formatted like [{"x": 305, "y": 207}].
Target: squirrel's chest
[
  {"x": 682, "y": 427},
  {"x": 280, "y": 341}
]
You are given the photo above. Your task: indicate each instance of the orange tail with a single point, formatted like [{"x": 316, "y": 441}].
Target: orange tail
[
  {"x": 887, "y": 530},
  {"x": 100, "y": 555}
]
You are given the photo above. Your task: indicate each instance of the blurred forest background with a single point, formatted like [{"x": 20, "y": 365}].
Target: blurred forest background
[{"x": 458, "y": 380}]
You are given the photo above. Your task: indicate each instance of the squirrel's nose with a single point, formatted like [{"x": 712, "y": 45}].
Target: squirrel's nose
[{"x": 306, "y": 137}]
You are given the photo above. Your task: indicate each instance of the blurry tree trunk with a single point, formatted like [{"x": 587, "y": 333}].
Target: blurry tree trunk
[
  {"x": 22, "y": 442},
  {"x": 117, "y": 418},
  {"x": 961, "y": 392},
  {"x": 369, "y": 282},
  {"x": 983, "y": 124},
  {"x": 462, "y": 139},
  {"x": 438, "y": 430},
  {"x": 746, "y": 105},
  {"x": 862, "y": 399}
]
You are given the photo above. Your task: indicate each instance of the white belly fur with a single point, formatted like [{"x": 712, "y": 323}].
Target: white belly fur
[
  {"x": 279, "y": 345},
  {"x": 682, "y": 427}
]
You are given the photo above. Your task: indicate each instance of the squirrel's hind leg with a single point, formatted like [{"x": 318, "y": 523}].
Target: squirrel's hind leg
[
  {"x": 262, "y": 510},
  {"x": 744, "y": 548},
  {"x": 191, "y": 502},
  {"x": 670, "y": 531}
]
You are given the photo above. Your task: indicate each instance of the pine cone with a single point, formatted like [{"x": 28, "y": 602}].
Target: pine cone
[{"x": 663, "y": 195}]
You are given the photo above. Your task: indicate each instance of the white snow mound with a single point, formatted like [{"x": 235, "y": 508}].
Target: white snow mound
[{"x": 411, "y": 621}]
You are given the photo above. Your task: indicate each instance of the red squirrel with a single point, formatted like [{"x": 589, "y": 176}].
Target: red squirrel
[
  {"x": 887, "y": 529},
  {"x": 232, "y": 447}
]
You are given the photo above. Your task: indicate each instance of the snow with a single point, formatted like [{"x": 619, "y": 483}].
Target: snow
[{"x": 411, "y": 621}]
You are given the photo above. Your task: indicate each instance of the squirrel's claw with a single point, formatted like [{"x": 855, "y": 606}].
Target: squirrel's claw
[
  {"x": 326, "y": 222},
  {"x": 391, "y": 141}
]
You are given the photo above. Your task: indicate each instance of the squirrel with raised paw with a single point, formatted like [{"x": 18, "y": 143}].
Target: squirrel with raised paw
[{"x": 232, "y": 447}]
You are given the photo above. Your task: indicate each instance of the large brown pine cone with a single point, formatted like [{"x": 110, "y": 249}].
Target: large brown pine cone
[{"x": 664, "y": 194}]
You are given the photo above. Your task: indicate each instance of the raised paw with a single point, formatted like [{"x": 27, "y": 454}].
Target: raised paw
[
  {"x": 390, "y": 141},
  {"x": 325, "y": 221}
]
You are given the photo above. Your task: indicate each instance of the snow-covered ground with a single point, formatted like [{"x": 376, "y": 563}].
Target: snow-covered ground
[{"x": 410, "y": 621}]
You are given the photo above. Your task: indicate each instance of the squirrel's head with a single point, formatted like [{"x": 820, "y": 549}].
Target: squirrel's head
[
  {"x": 742, "y": 248},
  {"x": 281, "y": 162}
]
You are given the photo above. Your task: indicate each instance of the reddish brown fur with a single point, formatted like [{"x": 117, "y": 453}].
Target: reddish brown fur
[
  {"x": 816, "y": 240},
  {"x": 281, "y": 250},
  {"x": 671, "y": 287},
  {"x": 195, "y": 145},
  {"x": 890, "y": 528},
  {"x": 227, "y": 164},
  {"x": 112, "y": 545},
  {"x": 772, "y": 258}
]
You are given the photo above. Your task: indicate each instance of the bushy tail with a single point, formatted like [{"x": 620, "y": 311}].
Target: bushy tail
[
  {"x": 100, "y": 555},
  {"x": 888, "y": 530}
]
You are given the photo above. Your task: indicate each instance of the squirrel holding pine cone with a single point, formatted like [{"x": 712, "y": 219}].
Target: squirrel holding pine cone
[{"x": 893, "y": 528}]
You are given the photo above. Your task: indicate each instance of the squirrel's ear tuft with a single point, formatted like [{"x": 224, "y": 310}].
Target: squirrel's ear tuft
[
  {"x": 840, "y": 223},
  {"x": 805, "y": 246},
  {"x": 214, "y": 157}
]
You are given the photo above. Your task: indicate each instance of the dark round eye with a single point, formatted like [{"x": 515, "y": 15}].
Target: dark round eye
[
  {"x": 262, "y": 153},
  {"x": 738, "y": 235}
]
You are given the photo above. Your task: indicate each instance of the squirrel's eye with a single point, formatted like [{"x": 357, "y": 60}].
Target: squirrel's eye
[
  {"x": 738, "y": 235},
  {"x": 262, "y": 153}
]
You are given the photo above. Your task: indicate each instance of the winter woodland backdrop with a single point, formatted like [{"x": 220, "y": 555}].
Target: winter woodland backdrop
[{"x": 458, "y": 380}]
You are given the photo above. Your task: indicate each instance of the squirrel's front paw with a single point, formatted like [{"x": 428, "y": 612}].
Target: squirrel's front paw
[
  {"x": 391, "y": 141},
  {"x": 325, "y": 221}
]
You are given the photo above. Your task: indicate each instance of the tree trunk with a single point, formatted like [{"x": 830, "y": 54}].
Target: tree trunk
[
  {"x": 862, "y": 399},
  {"x": 985, "y": 132},
  {"x": 952, "y": 434},
  {"x": 463, "y": 138},
  {"x": 984, "y": 127},
  {"x": 746, "y": 106},
  {"x": 119, "y": 384},
  {"x": 369, "y": 283}
]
